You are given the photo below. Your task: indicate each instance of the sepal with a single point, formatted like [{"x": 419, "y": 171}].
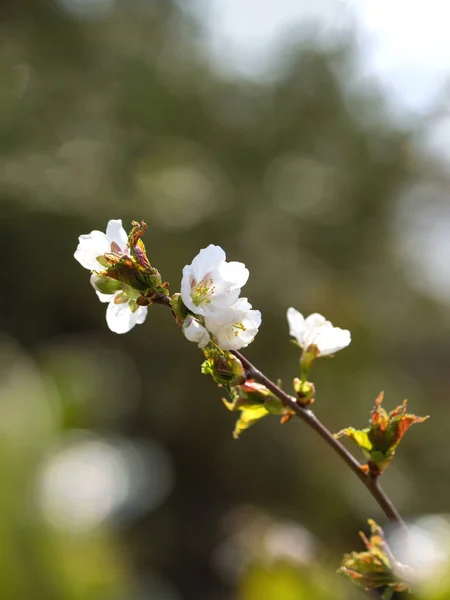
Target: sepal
[
  {"x": 105, "y": 285},
  {"x": 179, "y": 309}
]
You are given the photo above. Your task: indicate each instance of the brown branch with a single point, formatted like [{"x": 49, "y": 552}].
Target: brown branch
[
  {"x": 161, "y": 299},
  {"x": 306, "y": 415}
]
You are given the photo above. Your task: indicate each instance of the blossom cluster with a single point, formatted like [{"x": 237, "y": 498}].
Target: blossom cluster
[
  {"x": 213, "y": 310},
  {"x": 210, "y": 290},
  {"x": 123, "y": 312}
]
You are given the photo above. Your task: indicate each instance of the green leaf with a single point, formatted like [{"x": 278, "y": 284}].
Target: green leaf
[
  {"x": 255, "y": 401},
  {"x": 274, "y": 406},
  {"x": 360, "y": 437},
  {"x": 250, "y": 413}
]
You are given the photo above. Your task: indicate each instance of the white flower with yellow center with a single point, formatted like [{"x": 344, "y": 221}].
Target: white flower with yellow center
[
  {"x": 236, "y": 327},
  {"x": 315, "y": 334},
  {"x": 210, "y": 284},
  {"x": 123, "y": 312}
]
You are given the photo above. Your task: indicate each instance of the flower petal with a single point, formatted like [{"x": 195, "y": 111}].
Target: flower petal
[
  {"x": 210, "y": 283},
  {"x": 332, "y": 340},
  {"x": 121, "y": 319},
  {"x": 206, "y": 260},
  {"x": 116, "y": 233},
  {"x": 296, "y": 322},
  {"x": 90, "y": 246},
  {"x": 235, "y": 328},
  {"x": 219, "y": 317},
  {"x": 188, "y": 276},
  {"x": 235, "y": 272},
  {"x": 316, "y": 331},
  {"x": 316, "y": 320},
  {"x": 101, "y": 297},
  {"x": 242, "y": 304},
  {"x": 141, "y": 314},
  {"x": 195, "y": 332}
]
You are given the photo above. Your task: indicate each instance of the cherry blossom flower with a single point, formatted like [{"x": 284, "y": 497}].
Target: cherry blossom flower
[
  {"x": 236, "y": 327},
  {"x": 195, "y": 331},
  {"x": 211, "y": 284},
  {"x": 92, "y": 246},
  {"x": 316, "y": 334},
  {"x": 123, "y": 312}
]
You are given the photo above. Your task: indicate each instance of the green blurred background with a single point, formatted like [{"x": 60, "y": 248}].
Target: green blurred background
[{"x": 119, "y": 475}]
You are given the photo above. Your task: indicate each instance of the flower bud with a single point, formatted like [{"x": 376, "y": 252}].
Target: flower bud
[
  {"x": 194, "y": 331},
  {"x": 230, "y": 369},
  {"x": 225, "y": 369},
  {"x": 125, "y": 270},
  {"x": 179, "y": 309},
  {"x": 304, "y": 391}
]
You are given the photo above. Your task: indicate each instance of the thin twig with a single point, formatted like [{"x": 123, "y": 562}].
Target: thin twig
[
  {"x": 306, "y": 415},
  {"x": 371, "y": 483},
  {"x": 161, "y": 299}
]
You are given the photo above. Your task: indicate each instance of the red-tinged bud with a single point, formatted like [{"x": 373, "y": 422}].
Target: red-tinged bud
[{"x": 379, "y": 441}]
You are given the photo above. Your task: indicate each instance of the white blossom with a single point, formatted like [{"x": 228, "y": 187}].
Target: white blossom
[
  {"x": 122, "y": 313},
  {"x": 195, "y": 331},
  {"x": 210, "y": 284},
  {"x": 236, "y": 327},
  {"x": 316, "y": 331},
  {"x": 93, "y": 246}
]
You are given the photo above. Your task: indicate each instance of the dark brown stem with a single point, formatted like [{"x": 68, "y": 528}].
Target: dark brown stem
[
  {"x": 161, "y": 299},
  {"x": 306, "y": 415}
]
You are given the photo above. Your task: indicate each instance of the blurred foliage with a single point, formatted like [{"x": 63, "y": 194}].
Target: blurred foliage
[
  {"x": 114, "y": 110},
  {"x": 376, "y": 567}
]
